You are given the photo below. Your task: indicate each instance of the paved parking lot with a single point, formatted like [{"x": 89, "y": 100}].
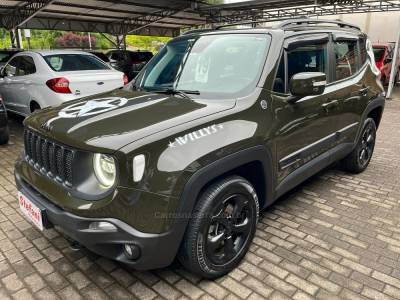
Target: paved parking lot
[{"x": 336, "y": 236}]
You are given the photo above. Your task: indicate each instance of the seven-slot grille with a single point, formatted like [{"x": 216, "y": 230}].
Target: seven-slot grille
[{"x": 50, "y": 158}]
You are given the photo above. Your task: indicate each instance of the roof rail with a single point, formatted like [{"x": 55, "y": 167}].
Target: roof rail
[
  {"x": 306, "y": 21},
  {"x": 292, "y": 23}
]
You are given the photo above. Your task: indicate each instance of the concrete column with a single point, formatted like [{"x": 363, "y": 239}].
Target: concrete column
[{"x": 15, "y": 36}]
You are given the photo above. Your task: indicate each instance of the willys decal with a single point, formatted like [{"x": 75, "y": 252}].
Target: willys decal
[{"x": 196, "y": 135}]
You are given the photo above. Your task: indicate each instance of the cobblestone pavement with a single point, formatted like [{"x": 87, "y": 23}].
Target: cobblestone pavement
[{"x": 335, "y": 236}]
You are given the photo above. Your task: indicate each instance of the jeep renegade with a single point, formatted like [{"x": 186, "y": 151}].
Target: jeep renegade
[{"x": 214, "y": 129}]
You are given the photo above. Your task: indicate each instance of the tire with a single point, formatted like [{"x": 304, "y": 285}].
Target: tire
[
  {"x": 221, "y": 228},
  {"x": 4, "y": 136},
  {"x": 358, "y": 160}
]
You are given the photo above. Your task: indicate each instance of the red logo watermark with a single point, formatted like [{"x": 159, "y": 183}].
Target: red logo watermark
[{"x": 29, "y": 209}]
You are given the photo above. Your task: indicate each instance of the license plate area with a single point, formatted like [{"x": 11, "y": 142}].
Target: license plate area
[{"x": 31, "y": 211}]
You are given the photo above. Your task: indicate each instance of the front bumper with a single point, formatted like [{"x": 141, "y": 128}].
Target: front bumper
[{"x": 156, "y": 250}]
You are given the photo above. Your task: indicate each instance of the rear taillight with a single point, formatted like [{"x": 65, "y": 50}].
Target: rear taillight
[
  {"x": 59, "y": 85},
  {"x": 126, "y": 80}
]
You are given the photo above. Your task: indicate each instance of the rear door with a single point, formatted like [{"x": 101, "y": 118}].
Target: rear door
[
  {"x": 306, "y": 128},
  {"x": 348, "y": 84}
]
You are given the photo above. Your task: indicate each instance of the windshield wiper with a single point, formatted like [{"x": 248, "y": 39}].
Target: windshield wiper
[{"x": 183, "y": 93}]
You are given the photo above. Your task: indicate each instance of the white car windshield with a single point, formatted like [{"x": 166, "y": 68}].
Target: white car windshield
[
  {"x": 213, "y": 66},
  {"x": 74, "y": 62}
]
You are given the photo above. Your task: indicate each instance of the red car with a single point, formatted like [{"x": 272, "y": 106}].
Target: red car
[{"x": 383, "y": 59}]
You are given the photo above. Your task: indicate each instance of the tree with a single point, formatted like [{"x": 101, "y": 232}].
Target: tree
[{"x": 74, "y": 40}]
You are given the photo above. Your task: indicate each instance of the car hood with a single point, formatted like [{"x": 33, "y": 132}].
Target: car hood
[{"x": 112, "y": 120}]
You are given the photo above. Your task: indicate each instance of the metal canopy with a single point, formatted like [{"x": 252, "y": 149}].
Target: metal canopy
[
  {"x": 167, "y": 17},
  {"x": 146, "y": 17},
  {"x": 274, "y": 10}
]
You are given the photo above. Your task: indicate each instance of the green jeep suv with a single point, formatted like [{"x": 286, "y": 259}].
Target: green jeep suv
[{"x": 214, "y": 129}]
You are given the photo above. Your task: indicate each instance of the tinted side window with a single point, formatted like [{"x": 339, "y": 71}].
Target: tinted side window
[
  {"x": 135, "y": 57},
  {"x": 118, "y": 56},
  {"x": 145, "y": 56},
  {"x": 74, "y": 62},
  {"x": 346, "y": 58},
  {"x": 26, "y": 66},
  {"x": 11, "y": 67},
  {"x": 307, "y": 58},
  {"x": 363, "y": 50}
]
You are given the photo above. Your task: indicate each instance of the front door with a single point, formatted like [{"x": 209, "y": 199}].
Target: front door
[
  {"x": 304, "y": 129},
  {"x": 17, "y": 84},
  {"x": 6, "y": 87}
]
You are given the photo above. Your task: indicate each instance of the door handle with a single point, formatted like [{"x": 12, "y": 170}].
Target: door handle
[
  {"x": 364, "y": 91},
  {"x": 330, "y": 104}
]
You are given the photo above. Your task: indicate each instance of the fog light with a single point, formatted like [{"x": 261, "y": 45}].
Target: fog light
[
  {"x": 103, "y": 226},
  {"x": 132, "y": 251}
]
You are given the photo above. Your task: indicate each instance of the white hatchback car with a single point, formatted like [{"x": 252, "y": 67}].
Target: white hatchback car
[{"x": 38, "y": 79}]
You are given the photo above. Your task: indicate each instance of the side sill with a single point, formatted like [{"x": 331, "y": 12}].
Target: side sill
[{"x": 313, "y": 167}]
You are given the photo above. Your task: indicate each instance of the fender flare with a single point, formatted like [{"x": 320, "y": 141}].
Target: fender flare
[
  {"x": 202, "y": 177},
  {"x": 379, "y": 101}
]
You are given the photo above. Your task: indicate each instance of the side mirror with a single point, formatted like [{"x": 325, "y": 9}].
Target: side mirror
[{"x": 306, "y": 84}]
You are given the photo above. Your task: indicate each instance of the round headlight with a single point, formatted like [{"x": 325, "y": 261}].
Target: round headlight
[{"x": 104, "y": 168}]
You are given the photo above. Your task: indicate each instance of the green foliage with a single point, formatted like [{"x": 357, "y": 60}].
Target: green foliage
[
  {"x": 50, "y": 39},
  {"x": 149, "y": 43},
  {"x": 4, "y": 39},
  {"x": 216, "y": 2}
]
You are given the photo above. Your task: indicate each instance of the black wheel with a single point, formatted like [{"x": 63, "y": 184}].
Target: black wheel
[
  {"x": 358, "y": 160},
  {"x": 4, "y": 136},
  {"x": 221, "y": 228}
]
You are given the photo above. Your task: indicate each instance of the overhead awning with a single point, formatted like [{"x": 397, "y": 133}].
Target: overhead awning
[{"x": 167, "y": 17}]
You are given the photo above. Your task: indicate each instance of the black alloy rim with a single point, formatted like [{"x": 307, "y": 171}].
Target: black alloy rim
[
  {"x": 367, "y": 145},
  {"x": 229, "y": 228}
]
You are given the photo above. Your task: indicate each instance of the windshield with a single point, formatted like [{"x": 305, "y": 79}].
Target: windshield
[
  {"x": 378, "y": 53},
  {"x": 74, "y": 62},
  {"x": 214, "y": 66}
]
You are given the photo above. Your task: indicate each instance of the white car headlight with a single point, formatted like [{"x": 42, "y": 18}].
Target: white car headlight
[{"x": 104, "y": 169}]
